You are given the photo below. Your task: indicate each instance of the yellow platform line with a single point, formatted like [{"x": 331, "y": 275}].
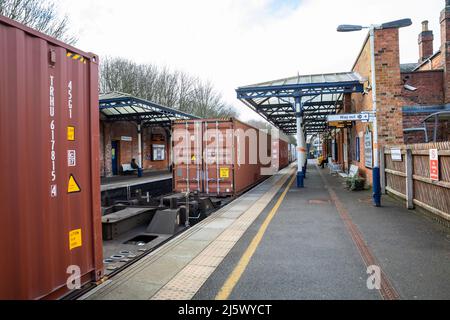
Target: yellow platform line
[{"x": 235, "y": 276}]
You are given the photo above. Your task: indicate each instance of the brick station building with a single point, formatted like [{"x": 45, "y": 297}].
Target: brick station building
[
  {"x": 134, "y": 128},
  {"x": 406, "y": 95}
]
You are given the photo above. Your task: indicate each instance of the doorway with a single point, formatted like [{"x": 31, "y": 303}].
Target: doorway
[{"x": 115, "y": 157}]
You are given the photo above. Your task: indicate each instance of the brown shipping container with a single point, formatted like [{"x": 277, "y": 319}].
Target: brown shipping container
[
  {"x": 50, "y": 188},
  {"x": 225, "y": 174}
]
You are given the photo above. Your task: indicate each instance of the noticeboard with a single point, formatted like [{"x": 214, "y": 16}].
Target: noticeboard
[{"x": 159, "y": 152}]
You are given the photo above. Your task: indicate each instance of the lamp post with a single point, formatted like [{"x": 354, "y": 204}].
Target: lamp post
[{"x": 376, "y": 163}]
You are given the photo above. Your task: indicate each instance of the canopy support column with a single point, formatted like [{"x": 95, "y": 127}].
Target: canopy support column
[{"x": 301, "y": 148}]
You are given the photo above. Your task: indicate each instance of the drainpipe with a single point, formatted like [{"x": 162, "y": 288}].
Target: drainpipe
[{"x": 376, "y": 185}]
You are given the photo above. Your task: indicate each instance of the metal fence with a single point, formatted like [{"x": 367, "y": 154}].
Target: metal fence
[{"x": 409, "y": 178}]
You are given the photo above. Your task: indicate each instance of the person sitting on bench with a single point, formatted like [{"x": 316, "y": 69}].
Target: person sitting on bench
[{"x": 135, "y": 166}]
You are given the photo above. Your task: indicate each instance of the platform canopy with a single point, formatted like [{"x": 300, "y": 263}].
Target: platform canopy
[
  {"x": 117, "y": 106},
  {"x": 320, "y": 94}
]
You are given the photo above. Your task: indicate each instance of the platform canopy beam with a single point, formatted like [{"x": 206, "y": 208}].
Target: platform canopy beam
[{"x": 300, "y": 105}]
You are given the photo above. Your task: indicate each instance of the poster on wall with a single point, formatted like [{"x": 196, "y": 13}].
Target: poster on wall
[
  {"x": 159, "y": 152},
  {"x": 368, "y": 151}
]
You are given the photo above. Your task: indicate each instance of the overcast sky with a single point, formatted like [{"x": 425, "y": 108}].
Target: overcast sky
[{"x": 240, "y": 42}]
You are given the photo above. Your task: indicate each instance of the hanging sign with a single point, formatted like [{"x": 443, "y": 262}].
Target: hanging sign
[
  {"x": 348, "y": 117},
  {"x": 434, "y": 165}
]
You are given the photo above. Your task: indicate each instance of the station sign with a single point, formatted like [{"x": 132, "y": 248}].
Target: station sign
[
  {"x": 434, "y": 165},
  {"x": 364, "y": 117},
  {"x": 396, "y": 154}
]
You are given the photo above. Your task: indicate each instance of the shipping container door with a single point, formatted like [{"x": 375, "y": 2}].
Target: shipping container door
[
  {"x": 50, "y": 208},
  {"x": 218, "y": 157},
  {"x": 188, "y": 162}
]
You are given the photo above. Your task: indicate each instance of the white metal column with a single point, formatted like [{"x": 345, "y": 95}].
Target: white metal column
[
  {"x": 139, "y": 132},
  {"x": 301, "y": 148}
]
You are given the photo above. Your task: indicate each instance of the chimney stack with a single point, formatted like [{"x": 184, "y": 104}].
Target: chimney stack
[{"x": 425, "y": 42}]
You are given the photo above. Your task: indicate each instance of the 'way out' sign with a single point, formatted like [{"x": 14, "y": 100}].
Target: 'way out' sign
[
  {"x": 348, "y": 117},
  {"x": 434, "y": 165}
]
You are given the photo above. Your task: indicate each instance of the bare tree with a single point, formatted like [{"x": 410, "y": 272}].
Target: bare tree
[
  {"x": 161, "y": 85},
  {"x": 39, "y": 15}
]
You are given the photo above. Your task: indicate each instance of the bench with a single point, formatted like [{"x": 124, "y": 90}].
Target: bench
[
  {"x": 126, "y": 168},
  {"x": 354, "y": 170},
  {"x": 334, "y": 167}
]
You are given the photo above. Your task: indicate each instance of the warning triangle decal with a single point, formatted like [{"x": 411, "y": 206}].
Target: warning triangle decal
[{"x": 73, "y": 186}]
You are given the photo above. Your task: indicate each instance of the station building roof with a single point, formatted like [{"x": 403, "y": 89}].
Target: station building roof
[
  {"x": 118, "y": 106},
  {"x": 321, "y": 95}
]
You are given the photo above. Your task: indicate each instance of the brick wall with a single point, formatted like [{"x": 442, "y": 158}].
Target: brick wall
[
  {"x": 445, "y": 50},
  {"x": 362, "y": 103},
  {"x": 389, "y": 90},
  {"x": 389, "y": 87},
  {"x": 433, "y": 64},
  {"x": 429, "y": 86},
  {"x": 129, "y": 149}
]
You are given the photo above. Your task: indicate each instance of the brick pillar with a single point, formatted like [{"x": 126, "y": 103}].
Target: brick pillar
[
  {"x": 425, "y": 42},
  {"x": 445, "y": 48},
  {"x": 389, "y": 85},
  {"x": 347, "y": 108}
]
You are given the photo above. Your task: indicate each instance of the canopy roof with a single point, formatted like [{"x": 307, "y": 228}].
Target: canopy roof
[
  {"x": 321, "y": 95},
  {"x": 438, "y": 116},
  {"x": 118, "y": 106}
]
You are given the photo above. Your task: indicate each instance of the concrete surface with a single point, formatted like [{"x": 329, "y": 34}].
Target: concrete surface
[{"x": 307, "y": 253}]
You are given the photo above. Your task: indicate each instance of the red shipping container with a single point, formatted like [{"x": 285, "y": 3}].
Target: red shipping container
[
  {"x": 218, "y": 157},
  {"x": 50, "y": 188}
]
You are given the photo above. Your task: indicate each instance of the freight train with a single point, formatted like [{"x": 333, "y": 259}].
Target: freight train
[
  {"x": 223, "y": 157},
  {"x": 53, "y": 226}
]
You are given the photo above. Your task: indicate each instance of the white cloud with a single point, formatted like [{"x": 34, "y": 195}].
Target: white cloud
[{"x": 236, "y": 42}]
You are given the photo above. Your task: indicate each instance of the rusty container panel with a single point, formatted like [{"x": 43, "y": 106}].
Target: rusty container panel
[
  {"x": 49, "y": 187},
  {"x": 253, "y": 154},
  {"x": 218, "y": 153},
  {"x": 187, "y": 156}
]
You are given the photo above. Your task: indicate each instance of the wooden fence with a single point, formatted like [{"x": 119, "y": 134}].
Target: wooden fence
[{"x": 409, "y": 178}]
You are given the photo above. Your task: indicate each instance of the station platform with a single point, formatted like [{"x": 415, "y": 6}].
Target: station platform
[
  {"x": 279, "y": 242},
  {"x": 118, "y": 182}
]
